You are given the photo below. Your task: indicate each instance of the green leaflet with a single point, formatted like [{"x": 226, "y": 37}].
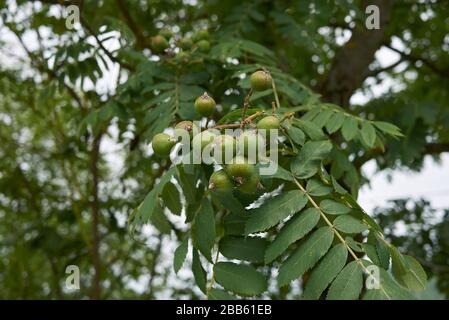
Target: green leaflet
[
  {"x": 348, "y": 284},
  {"x": 146, "y": 209},
  {"x": 160, "y": 221},
  {"x": 241, "y": 279},
  {"x": 326, "y": 271},
  {"x": 306, "y": 255},
  {"x": 414, "y": 277},
  {"x": 296, "y": 135},
  {"x": 333, "y": 207},
  {"x": 250, "y": 249},
  {"x": 219, "y": 294},
  {"x": 311, "y": 129},
  {"x": 275, "y": 210},
  {"x": 399, "y": 263},
  {"x": 388, "y": 128},
  {"x": 296, "y": 228},
  {"x": 198, "y": 271},
  {"x": 180, "y": 255},
  {"x": 307, "y": 162},
  {"x": 234, "y": 224},
  {"x": 311, "y": 114},
  {"x": 368, "y": 133},
  {"x": 349, "y": 224},
  {"x": 349, "y": 128},
  {"x": 385, "y": 288},
  {"x": 203, "y": 229},
  {"x": 335, "y": 122},
  {"x": 317, "y": 189},
  {"x": 280, "y": 173},
  {"x": 172, "y": 198},
  {"x": 187, "y": 181},
  {"x": 321, "y": 119},
  {"x": 229, "y": 202}
]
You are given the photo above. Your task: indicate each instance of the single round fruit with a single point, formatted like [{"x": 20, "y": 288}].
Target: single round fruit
[
  {"x": 240, "y": 168},
  {"x": 162, "y": 144},
  {"x": 183, "y": 56},
  {"x": 249, "y": 185},
  {"x": 267, "y": 123},
  {"x": 201, "y": 35},
  {"x": 166, "y": 33},
  {"x": 250, "y": 144},
  {"x": 205, "y": 105},
  {"x": 260, "y": 80},
  {"x": 202, "y": 139},
  {"x": 186, "y": 43},
  {"x": 159, "y": 44},
  {"x": 203, "y": 46},
  {"x": 225, "y": 148},
  {"x": 184, "y": 126},
  {"x": 219, "y": 181}
]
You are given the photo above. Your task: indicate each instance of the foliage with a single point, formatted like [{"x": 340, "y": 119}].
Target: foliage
[{"x": 67, "y": 95}]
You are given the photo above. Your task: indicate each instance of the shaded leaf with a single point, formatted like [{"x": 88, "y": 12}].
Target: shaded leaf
[
  {"x": 306, "y": 255},
  {"x": 199, "y": 273},
  {"x": 333, "y": 207},
  {"x": 241, "y": 279},
  {"x": 203, "y": 229},
  {"x": 326, "y": 271},
  {"x": 172, "y": 198},
  {"x": 250, "y": 249},
  {"x": 349, "y": 224},
  {"x": 296, "y": 228},
  {"x": 180, "y": 255},
  {"x": 348, "y": 284},
  {"x": 275, "y": 210},
  {"x": 307, "y": 162}
]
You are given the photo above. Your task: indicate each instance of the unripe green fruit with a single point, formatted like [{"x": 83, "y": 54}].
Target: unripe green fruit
[
  {"x": 159, "y": 44},
  {"x": 202, "y": 139},
  {"x": 162, "y": 144},
  {"x": 250, "y": 143},
  {"x": 201, "y": 35},
  {"x": 249, "y": 185},
  {"x": 267, "y": 123},
  {"x": 220, "y": 182},
  {"x": 260, "y": 80},
  {"x": 186, "y": 125},
  {"x": 205, "y": 105},
  {"x": 224, "y": 144},
  {"x": 186, "y": 43},
  {"x": 166, "y": 33},
  {"x": 203, "y": 46},
  {"x": 240, "y": 168},
  {"x": 183, "y": 56}
]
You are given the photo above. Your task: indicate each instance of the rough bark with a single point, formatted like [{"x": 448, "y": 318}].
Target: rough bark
[{"x": 351, "y": 64}]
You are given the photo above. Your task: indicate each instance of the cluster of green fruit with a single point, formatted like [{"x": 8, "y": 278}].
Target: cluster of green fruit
[
  {"x": 240, "y": 172},
  {"x": 199, "y": 40}
]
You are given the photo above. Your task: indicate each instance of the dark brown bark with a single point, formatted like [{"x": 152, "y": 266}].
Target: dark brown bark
[
  {"x": 140, "y": 38},
  {"x": 351, "y": 64},
  {"x": 95, "y": 155}
]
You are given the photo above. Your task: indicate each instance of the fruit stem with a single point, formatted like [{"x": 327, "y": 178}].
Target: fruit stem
[
  {"x": 276, "y": 97},
  {"x": 239, "y": 125},
  {"x": 245, "y": 106}
]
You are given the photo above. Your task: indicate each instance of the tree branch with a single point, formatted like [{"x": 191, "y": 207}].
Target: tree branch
[
  {"x": 95, "y": 157},
  {"x": 140, "y": 38},
  {"x": 443, "y": 72},
  {"x": 351, "y": 63}
]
